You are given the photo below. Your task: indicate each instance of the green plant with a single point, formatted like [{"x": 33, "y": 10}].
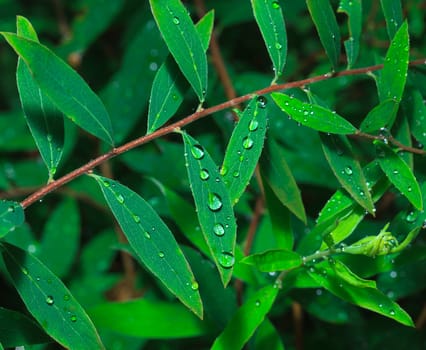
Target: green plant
[{"x": 351, "y": 238}]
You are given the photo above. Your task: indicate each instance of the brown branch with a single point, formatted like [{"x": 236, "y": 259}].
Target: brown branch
[{"x": 188, "y": 120}]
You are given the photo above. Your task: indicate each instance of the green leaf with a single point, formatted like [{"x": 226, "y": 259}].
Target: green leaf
[
  {"x": 267, "y": 337},
  {"x": 269, "y": 18},
  {"x": 347, "y": 169},
  {"x": 399, "y": 174},
  {"x": 214, "y": 207},
  {"x": 353, "y": 10},
  {"x": 65, "y": 88},
  {"x": 313, "y": 116},
  {"x": 183, "y": 41},
  {"x": 274, "y": 260},
  {"x": 148, "y": 319},
  {"x": 278, "y": 175},
  {"x": 169, "y": 86},
  {"x": 355, "y": 290},
  {"x": 152, "y": 241},
  {"x": 381, "y": 116},
  {"x": 246, "y": 320},
  {"x": 49, "y": 301},
  {"x": 394, "y": 73},
  {"x": 393, "y": 14},
  {"x": 415, "y": 109},
  {"x": 11, "y": 215},
  {"x": 328, "y": 30},
  {"x": 244, "y": 148},
  {"x": 43, "y": 118},
  {"x": 17, "y": 329}
]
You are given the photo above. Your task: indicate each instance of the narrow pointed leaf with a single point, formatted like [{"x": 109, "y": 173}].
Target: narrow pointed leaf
[
  {"x": 415, "y": 109},
  {"x": 394, "y": 73},
  {"x": 346, "y": 168},
  {"x": 244, "y": 148},
  {"x": 392, "y": 10},
  {"x": 49, "y": 301},
  {"x": 43, "y": 118},
  {"x": 313, "y": 116},
  {"x": 270, "y": 21},
  {"x": 214, "y": 207},
  {"x": 11, "y": 215},
  {"x": 246, "y": 320},
  {"x": 328, "y": 30},
  {"x": 268, "y": 337},
  {"x": 183, "y": 41},
  {"x": 399, "y": 174},
  {"x": 342, "y": 285},
  {"x": 278, "y": 175},
  {"x": 353, "y": 9},
  {"x": 381, "y": 116},
  {"x": 169, "y": 86},
  {"x": 274, "y": 260},
  {"x": 65, "y": 88},
  {"x": 152, "y": 242}
]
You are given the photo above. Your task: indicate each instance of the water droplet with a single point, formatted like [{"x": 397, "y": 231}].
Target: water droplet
[
  {"x": 348, "y": 170},
  {"x": 223, "y": 170},
  {"x": 261, "y": 101},
  {"x": 214, "y": 202},
  {"x": 395, "y": 171},
  {"x": 24, "y": 271},
  {"x": 226, "y": 260},
  {"x": 204, "y": 174},
  {"x": 278, "y": 46},
  {"x": 197, "y": 151},
  {"x": 248, "y": 143},
  {"x": 66, "y": 297},
  {"x": 120, "y": 199},
  {"x": 106, "y": 183},
  {"x": 275, "y": 4},
  {"x": 73, "y": 318},
  {"x": 49, "y": 300},
  {"x": 257, "y": 303},
  {"x": 411, "y": 216},
  {"x": 380, "y": 306},
  {"x": 49, "y": 138},
  {"x": 136, "y": 218},
  {"x": 194, "y": 285},
  {"x": 393, "y": 274},
  {"x": 409, "y": 189},
  {"x": 11, "y": 209},
  {"x": 147, "y": 235},
  {"x": 392, "y": 312},
  {"x": 218, "y": 230},
  {"x": 176, "y": 20},
  {"x": 254, "y": 124},
  {"x": 161, "y": 254},
  {"x": 236, "y": 174}
]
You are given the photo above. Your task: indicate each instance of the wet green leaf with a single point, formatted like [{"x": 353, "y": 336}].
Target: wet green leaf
[
  {"x": 43, "y": 118},
  {"x": 65, "y": 88},
  {"x": 353, "y": 10},
  {"x": 328, "y": 30},
  {"x": 169, "y": 86},
  {"x": 415, "y": 109},
  {"x": 313, "y": 116},
  {"x": 274, "y": 260},
  {"x": 393, "y": 14},
  {"x": 214, "y": 207},
  {"x": 246, "y": 320},
  {"x": 152, "y": 241},
  {"x": 11, "y": 215},
  {"x": 267, "y": 337},
  {"x": 244, "y": 148},
  {"x": 49, "y": 301},
  {"x": 399, "y": 174},
  {"x": 381, "y": 116},
  {"x": 269, "y": 18},
  {"x": 347, "y": 169},
  {"x": 183, "y": 41}
]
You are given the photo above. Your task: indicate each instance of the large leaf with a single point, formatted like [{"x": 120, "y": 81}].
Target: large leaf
[
  {"x": 269, "y": 18},
  {"x": 392, "y": 10},
  {"x": 328, "y": 30},
  {"x": 49, "y": 301},
  {"x": 313, "y": 116},
  {"x": 214, "y": 207},
  {"x": 354, "y": 11},
  {"x": 43, "y": 118},
  {"x": 169, "y": 86},
  {"x": 65, "y": 88},
  {"x": 244, "y": 148},
  {"x": 11, "y": 215},
  {"x": 152, "y": 242},
  {"x": 183, "y": 41}
]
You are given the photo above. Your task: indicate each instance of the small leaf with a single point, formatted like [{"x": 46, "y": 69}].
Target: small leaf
[
  {"x": 268, "y": 337},
  {"x": 349, "y": 288},
  {"x": 43, "y": 118},
  {"x": 328, "y": 30},
  {"x": 353, "y": 9},
  {"x": 213, "y": 205},
  {"x": 11, "y": 215},
  {"x": 393, "y": 14},
  {"x": 313, "y": 116},
  {"x": 269, "y": 18},
  {"x": 381, "y": 116},
  {"x": 399, "y": 174},
  {"x": 278, "y": 175},
  {"x": 183, "y": 41},
  {"x": 347, "y": 169},
  {"x": 393, "y": 76},
  {"x": 244, "y": 148},
  {"x": 274, "y": 260},
  {"x": 152, "y": 242},
  {"x": 65, "y": 88},
  {"x": 49, "y": 301},
  {"x": 169, "y": 86},
  {"x": 246, "y": 320}
]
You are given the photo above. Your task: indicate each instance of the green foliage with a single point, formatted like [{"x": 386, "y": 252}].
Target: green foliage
[{"x": 300, "y": 193}]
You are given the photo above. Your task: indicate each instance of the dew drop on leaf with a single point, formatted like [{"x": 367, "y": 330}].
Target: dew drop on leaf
[
  {"x": 254, "y": 124},
  {"x": 204, "y": 174},
  {"x": 120, "y": 198},
  {"x": 226, "y": 260},
  {"x": 176, "y": 20},
  {"x": 197, "y": 152},
  {"x": 214, "y": 202},
  {"x": 49, "y": 300},
  {"x": 278, "y": 46},
  {"x": 136, "y": 218},
  {"x": 147, "y": 235},
  {"x": 257, "y": 303},
  {"x": 161, "y": 254},
  {"x": 261, "y": 101},
  {"x": 194, "y": 285},
  {"x": 411, "y": 216},
  {"x": 73, "y": 318},
  {"x": 218, "y": 229},
  {"x": 248, "y": 143},
  {"x": 348, "y": 170},
  {"x": 235, "y": 174},
  {"x": 66, "y": 297},
  {"x": 275, "y": 4}
]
